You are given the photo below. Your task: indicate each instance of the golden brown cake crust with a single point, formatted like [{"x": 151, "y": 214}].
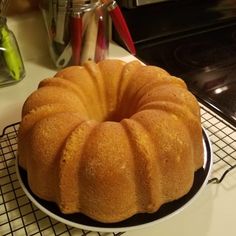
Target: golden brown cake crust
[{"x": 113, "y": 139}]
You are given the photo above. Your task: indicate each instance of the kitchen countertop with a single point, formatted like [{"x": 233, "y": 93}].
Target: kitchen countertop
[{"x": 212, "y": 213}]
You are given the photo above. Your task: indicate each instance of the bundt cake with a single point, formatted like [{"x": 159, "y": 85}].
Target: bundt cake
[{"x": 110, "y": 139}]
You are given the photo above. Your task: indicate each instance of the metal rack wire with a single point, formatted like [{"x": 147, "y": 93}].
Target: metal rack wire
[
  {"x": 223, "y": 140},
  {"x": 18, "y": 216}
]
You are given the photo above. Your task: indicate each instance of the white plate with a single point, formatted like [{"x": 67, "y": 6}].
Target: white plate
[{"x": 135, "y": 222}]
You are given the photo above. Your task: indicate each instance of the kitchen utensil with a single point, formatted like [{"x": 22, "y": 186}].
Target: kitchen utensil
[
  {"x": 102, "y": 35},
  {"x": 120, "y": 24},
  {"x": 64, "y": 58},
  {"x": 76, "y": 27},
  {"x": 61, "y": 21},
  {"x": 90, "y": 38}
]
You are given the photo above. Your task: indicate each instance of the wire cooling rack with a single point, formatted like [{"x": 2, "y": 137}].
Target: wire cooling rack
[
  {"x": 223, "y": 140},
  {"x": 18, "y": 216}
]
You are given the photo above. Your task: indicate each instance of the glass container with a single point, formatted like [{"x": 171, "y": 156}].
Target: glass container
[
  {"x": 77, "y": 31},
  {"x": 11, "y": 65}
]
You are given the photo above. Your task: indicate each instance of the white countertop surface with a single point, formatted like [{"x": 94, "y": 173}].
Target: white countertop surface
[{"x": 212, "y": 213}]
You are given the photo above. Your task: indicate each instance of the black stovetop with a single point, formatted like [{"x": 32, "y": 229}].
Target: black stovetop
[
  {"x": 207, "y": 63},
  {"x": 202, "y": 50}
]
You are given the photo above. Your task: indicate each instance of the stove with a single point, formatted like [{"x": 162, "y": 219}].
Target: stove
[
  {"x": 207, "y": 63},
  {"x": 194, "y": 40}
]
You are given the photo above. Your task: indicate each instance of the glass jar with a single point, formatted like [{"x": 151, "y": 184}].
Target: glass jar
[
  {"x": 77, "y": 31},
  {"x": 11, "y": 65}
]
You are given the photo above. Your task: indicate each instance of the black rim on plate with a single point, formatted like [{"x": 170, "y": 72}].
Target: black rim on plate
[{"x": 82, "y": 221}]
